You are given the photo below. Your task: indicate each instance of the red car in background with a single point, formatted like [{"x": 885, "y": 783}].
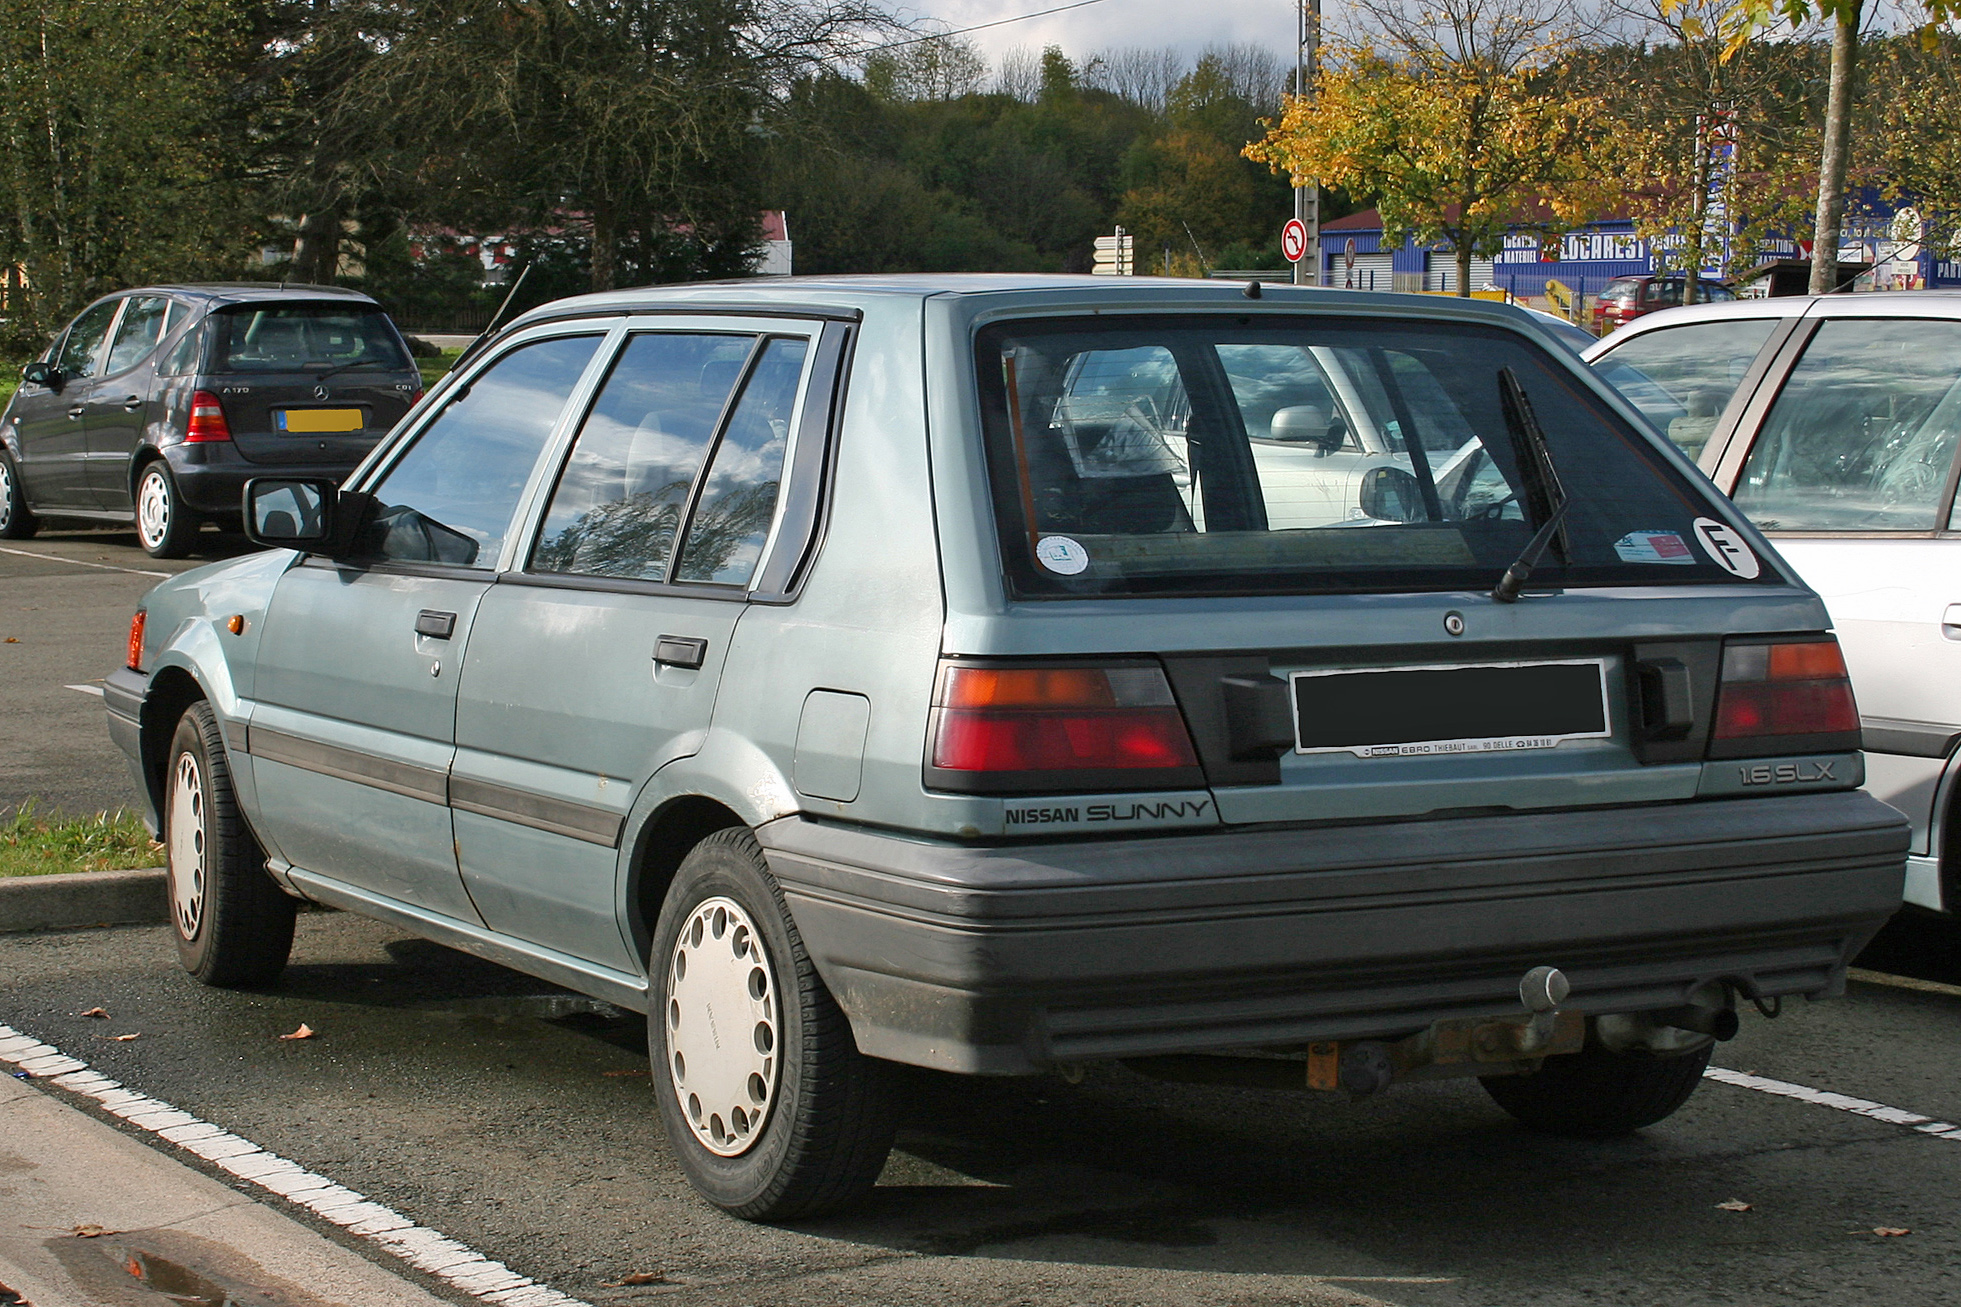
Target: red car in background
[{"x": 1626, "y": 298}]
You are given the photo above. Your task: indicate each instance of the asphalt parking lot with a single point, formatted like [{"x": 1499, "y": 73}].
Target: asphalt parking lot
[{"x": 518, "y": 1118}]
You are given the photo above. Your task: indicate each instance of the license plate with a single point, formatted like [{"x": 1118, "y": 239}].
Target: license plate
[
  {"x": 318, "y": 419},
  {"x": 1475, "y": 708}
]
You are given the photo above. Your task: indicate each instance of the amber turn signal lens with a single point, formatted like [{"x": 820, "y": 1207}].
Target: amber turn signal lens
[{"x": 135, "y": 663}]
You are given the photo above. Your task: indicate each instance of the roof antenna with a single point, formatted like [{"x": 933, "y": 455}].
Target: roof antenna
[{"x": 1253, "y": 289}]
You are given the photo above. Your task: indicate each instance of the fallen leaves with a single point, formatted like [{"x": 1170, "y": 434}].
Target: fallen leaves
[
  {"x": 96, "y": 1012},
  {"x": 1889, "y": 1231},
  {"x": 90, "y": 1231},
  {"x": 13, "y": 639},
  {"x": 638, "y": 1277},
  {"x": 124, "y": 1039},
  {"x": 1733, "y": 1205},
  {"x": 304, "y": 1032}
]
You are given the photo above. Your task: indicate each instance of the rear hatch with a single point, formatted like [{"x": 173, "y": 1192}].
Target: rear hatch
[
  {"x": 1303, "y": 520},
  {"x": 308, "y": 382}
]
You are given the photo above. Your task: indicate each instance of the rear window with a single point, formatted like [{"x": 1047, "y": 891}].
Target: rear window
[
  {"x": 305, "y": 338},
  {"x": 1299, "y": 455},
  {"x": 1620, "y": 289}
]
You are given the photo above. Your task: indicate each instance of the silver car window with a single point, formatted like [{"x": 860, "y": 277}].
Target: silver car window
[
  {"x": 1863, "y": 433},
  {"x": 737, "y": 499},
  {"x": 141, "y": 328},
  {"x": 450, "y": 498},
  {"x": 618, "y": 504},
  {"x": 84, "y": 343},
  {"x": 1682, "y": 377}
]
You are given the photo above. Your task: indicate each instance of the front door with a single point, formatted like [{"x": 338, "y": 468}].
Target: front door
[
  {"x": 599, "y": 663},
  {"x": 49, "y": 421},
  {"x": 1856, "y": 457},
  {"x": 353, "y": 731}
]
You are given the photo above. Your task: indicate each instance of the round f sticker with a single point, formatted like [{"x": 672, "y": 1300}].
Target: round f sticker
[{"x": 1726, "y": 548}]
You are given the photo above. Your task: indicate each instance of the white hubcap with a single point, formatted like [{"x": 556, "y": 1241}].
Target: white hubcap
[
  {"x": 722, "y": 1027},
  {"x": 153, "y": 508},
  {"x": 187, "y": 845}
]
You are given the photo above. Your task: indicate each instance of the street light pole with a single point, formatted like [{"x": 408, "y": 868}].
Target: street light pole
[{"x": 1307, "y": 196}]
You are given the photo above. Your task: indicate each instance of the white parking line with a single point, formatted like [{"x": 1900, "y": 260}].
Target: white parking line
[
  {"x": 1902, "y": 982},
  {"x": 425, "y": 1249},
  {"x": 95, "y": 690},
  {"x": 106, "y": 567},
  {"x": 1925, "y": 1125}
]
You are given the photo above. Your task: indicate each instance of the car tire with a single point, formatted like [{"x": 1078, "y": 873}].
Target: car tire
[
  {"x": 164, "y": 526},
  {"x": 790, "y": 1119},
  {"x": 1598, "y": 1093},
  {"x": 233, "y": 925},
  {"x": 16, "y": 522}
]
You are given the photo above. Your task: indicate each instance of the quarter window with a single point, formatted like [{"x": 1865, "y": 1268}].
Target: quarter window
[
  {"x": 738, "y": 497},
  {"x": 1862, "y": 436},
  {"x": 142, "y": 326},
  {"x": 451, "y": 497},
  {"x": 1681, "y": 378}
]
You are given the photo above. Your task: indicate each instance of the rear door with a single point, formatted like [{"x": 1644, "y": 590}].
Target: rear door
[
  {"x": 354, "y": 727},
  {"x": 1851, "y": 470},
  {"x": 598, "y": 661},
  {"x": 124, "y": 398}
]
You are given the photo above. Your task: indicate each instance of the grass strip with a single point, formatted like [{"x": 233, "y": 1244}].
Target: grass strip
[{"x": 33, "y": 845}]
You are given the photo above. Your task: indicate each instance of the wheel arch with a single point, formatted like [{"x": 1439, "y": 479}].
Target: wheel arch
[
  {"x": 141, "y": 457},
  {"x": 659, "y": 846},
  {"x": 172, "y": 689}
]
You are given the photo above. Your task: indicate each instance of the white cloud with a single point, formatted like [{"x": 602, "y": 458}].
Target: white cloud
[{"x": 1182, "y": 23}]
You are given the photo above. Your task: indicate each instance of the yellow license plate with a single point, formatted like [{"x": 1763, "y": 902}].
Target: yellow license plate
[{"x": 320, "y": 419}]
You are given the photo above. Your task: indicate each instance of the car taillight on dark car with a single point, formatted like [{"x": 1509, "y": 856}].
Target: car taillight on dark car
[
  {"x": 1057, "y": 720},
  {"x": 207, "y": 421},
  {"x": 1784, "y": 696}
]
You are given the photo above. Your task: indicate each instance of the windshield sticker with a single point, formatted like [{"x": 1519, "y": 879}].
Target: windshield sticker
[
  {"x": 1726, "y": 548},
  {"x": 1654, "y": 547},
  {"x": 1061, "y": 555}
]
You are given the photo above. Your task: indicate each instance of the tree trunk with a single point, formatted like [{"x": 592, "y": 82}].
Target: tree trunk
[
  {"x": 1463, "y": 252},
  {"x": 605, "y": 248},
  {"x": 1832, "y": 166},
  {"x": 1698, "y": 212},
  {"x": 316, "y": 254}
]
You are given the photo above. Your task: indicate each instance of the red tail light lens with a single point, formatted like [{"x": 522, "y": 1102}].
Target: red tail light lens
[
  {"x": 1784, "y": 696},
  {"x": 207, "y": 419},
  {"x": 135, "y": 660},
  {"x": 1059, "y": 719}
]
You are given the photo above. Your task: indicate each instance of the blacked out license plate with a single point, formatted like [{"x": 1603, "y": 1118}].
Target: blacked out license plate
[{"x": 1475, "y": 708}]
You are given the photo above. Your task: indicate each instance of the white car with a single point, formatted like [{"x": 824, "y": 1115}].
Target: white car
[{"x": 1833, "y": 421}]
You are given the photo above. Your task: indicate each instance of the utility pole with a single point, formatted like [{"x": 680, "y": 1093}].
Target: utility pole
[{"x": 1307, "y": 197}]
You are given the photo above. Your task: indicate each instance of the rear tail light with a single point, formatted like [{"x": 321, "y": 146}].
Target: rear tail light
[
  {"x": 1784, "y": 696},
  {"x": 1044, "y": 723},
  {"x": 207, "y": 419},
  {"x": 135, "y": 661}
]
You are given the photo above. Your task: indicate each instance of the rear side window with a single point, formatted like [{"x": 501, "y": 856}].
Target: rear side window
[
  {"x": 1681, "y": 378},
  {"x": 1304, "y": 454},
  {"x": 450, "y": 498},
  {"x": 142, "y": 326},
  {"x": 305, "y": 338},
  {"x": 1862, "y": 435}
]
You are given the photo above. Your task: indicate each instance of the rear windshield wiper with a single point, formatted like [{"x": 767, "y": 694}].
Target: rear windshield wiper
[
  {"x": 1544, "y": 499},
  {"x": 365, "y": 361}
]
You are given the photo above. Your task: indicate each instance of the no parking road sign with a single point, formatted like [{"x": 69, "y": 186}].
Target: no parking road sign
[{"x": 1293, "y": 240}]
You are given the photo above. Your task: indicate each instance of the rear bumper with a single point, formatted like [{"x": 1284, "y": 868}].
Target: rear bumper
[
  {"x": 211, "y": 476},
  {"x": 1006, "y": 960}
]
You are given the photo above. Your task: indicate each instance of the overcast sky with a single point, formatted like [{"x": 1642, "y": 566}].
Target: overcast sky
[{"x": 1191, "y": 24}]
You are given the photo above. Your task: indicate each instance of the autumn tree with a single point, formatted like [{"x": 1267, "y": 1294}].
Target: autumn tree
[{"x": 1454, "y": 115}]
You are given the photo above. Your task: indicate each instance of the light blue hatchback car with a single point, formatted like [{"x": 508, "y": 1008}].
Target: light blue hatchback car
[{"x": 1001, "y": 674}]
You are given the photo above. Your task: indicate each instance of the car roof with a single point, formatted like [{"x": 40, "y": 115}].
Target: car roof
[
  {"x": 1868, "y": 304},
  {"x": 248, "y": 292}
]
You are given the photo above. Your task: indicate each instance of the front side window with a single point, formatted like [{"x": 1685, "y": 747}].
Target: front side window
[
  {"x": 141, "y": 328},
  {"x": 309, "y": 338},
  {"x": 1681, "y": 378},
  {"x": 1863, "y": 433},
  {"x": 84, "y": 342},
  {"x": 451, "y": 497},
  {"x": 1310, "y": 454}
]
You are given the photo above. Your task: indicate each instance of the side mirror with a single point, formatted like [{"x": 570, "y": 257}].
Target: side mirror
[
  {"x": 39, "y": 373},
  {"x": 1308, "y": 425},
  {"x": 293, "y": 513}
]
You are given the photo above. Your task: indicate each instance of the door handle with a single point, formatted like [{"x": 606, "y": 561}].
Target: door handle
[
  {"x": 680, "y": 651},
  {"x": 76, "y": 411},
  {"x": 1951, "y": 622},
  {"x": 133, "y": 402},
  {"x": 435, "y": 625}
]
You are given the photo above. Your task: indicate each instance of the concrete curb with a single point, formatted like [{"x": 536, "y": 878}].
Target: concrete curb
[{"x": 83, "y": 898}]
